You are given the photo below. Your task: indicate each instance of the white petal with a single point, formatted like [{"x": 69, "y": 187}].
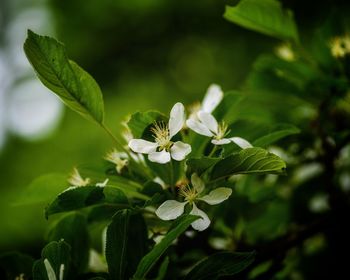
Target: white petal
[
  {"x": 142, "y": 146},
  {"x": 197, "y": 183},
  {"x": 198, "y": 127},
  {"x": 159, "y": 157},
  {"x": 180, "y": 150},
  {"x": 170, "y": 209},
  {"x": 203, "y": 222},
  {"x": 217, "y": 196},
  {"x": 221, "y": 141},
  {"x": 177, "y": 119},
  {"x": 244, "y": 144},
  {"x": 209, "y": 121},
  {"x": 49, "y": 270},
  {"x": 212, "y": 98}
]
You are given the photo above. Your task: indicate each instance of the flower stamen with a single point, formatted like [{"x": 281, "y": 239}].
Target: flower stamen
[
  {"x": 189, "y": 193},
  {"x": 161, "y": 135}
]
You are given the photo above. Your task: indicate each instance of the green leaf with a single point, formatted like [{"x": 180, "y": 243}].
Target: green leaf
[
  {"x": 153, "y": 256},
  {"x": 58, "y": 255},
  {"x": 42, "y": 189},
  {"x": 14, "y": 264},
  {"x": 141, "y": 120},
  {"x": 72, "y": 228},
  {"x": 229, "y": 108},
  {"x": 77, "y": 89},
  {"x": 80, "y": 197},
  {"x": 126, "y": 243},
  {"x": 221, "y": 264},
  {"x": 249, "y": 161},
  {"x": 276, "y": 135},
  {"x": 200, "y": 165},
  {"x": 264, "y": 16}
]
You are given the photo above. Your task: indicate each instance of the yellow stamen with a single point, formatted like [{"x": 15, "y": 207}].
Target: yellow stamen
[
  {"x": 161, "y": 135},
  {"x": 222, "y": 131},
  {"x": 189, "y": 193}
]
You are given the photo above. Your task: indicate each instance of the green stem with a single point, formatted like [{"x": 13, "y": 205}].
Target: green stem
[
  {"x": 116, "y": 141},
  {"x": 171, "y": 175},
  {"x": 121, "y": 147},
  {"x": 213, "y": 151}
]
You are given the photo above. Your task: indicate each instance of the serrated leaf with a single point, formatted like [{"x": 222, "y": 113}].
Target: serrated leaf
[
  {"x": 221, "y": 264},
  {"x": 141, "y": 120},
  {"x": 249, "y": 161},
  {"x": 153, "y": 256},
  {"x": 72, "y": 228},
  {"x": 58, "y": 256},
  {"x": 276, "y": 135},
  {"x": 80, "y": 197},
  {"x": 264, "y": 16},
  {"x": 76, "y": 88},
  {"x": 42, "y": 189},
  {"x": 126, "y": 243}
]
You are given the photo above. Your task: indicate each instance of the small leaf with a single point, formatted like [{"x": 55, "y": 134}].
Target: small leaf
[
  {"x": 72, "y": 228},
  {"x": 153, "y": 256},
  {"x": 77, "y": 89},
  {"x": 126, "y": 243},
  {"x": 220, "y": 264},
  {"x": 249, "y": 161},
  {"x": 58, "y": 256},
  {"x": 141, "y": 120},
  {"x": 80, "y": 197},
  {"x": 276, "y": 135},
  {"x": 265, "y": 16}
]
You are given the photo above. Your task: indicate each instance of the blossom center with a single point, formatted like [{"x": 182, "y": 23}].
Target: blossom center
[
  {"x": 222, "y": 131},
  {"x": 189, "y": 193},
  {"x": 161, "y": 135}
]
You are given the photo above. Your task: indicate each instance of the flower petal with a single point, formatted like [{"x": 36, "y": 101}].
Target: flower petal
[
  {"x": 212, "y": 98},
  {"x": 159, "y": 157},
  {"x": 217, "y": 196},
  {"x": 197, "y": 183},
  {"x": 209, "y": 121},
  {"x": 142, "y": 146},
  {"x": 203, "y": 222},
  {"x": 244, "y": 144},
  {"x": 180, "y": 150},
  {"x": 170, "y": 209},
  {"x": 221, "y": 141},
  {"x": 198, "y": 127},
  {"x": 177, "y": 119}
]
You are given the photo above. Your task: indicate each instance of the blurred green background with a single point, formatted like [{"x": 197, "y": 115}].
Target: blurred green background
[{"x": 145, "y": 54}]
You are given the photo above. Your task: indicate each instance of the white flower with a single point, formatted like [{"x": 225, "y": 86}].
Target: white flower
[
  {"x": 119, "y": 159},
  {"x": 208, "y": 126},
  {"x": 171, "y": 209},
  {"x": 76, "y": 180},
  {"x": 211, "y": 100},
  {"x": 163, "y": 149}
]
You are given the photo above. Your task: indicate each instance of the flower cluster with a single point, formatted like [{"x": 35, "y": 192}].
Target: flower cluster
[
  {"x": 200, "y": 121},
  {"x": 164, "y": 148}
]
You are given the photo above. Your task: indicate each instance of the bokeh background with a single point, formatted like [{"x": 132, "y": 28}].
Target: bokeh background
[{"x": 145, "y": 54}]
